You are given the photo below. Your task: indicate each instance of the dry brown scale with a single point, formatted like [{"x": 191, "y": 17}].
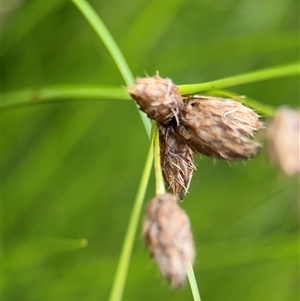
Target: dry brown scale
[
  {"x": 177, "y": 161},
  {"x": 167, "y": 234}
]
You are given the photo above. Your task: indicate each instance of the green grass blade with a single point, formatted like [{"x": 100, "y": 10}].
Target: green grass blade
[
  {"x": 160, "y": 186},
  {"x": 101, "y": 30},
  {"x": 264, "y": 74},
  {"x": 58, "y": 244},
  {"x": 193, "y": 284},
  {"x": 62, "y": 92},
  {"x": 103, "y": 33},
  {"x": 119, "y": 282}
]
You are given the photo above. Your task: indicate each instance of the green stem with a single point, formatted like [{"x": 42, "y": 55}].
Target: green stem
[
  {"x": 101, "y": 30},
  {"x": 269, "y": 73},
  {"x": 103, "y": 33},
  {"x": 59, "y": 92},
  {"x": 121, "y": 273},
  {"x": 62, "y": 92},
  {"x": 160, "y": 186},
  {"x": 193, "y": 284}
]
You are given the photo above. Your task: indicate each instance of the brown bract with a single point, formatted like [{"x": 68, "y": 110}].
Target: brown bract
[
  {"x": 177, "y": 161},
  {"x": 159, "y": 98},
  {"x": 283, "y": 138},
  {"x": 166, "y": 231},
  {"x": 220, "y": 128}
]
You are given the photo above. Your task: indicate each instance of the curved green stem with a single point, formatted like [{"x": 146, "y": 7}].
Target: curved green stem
[
  {"x": 264, "y": 74},
  {"x": 121, "y": 273},
  {"x": 101, "y": 30},
  {"x": 62, "y": 92}
]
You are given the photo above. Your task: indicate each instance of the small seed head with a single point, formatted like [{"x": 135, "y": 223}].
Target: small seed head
[
  {"x": 177, "y": 161},
  {"x": 159, "y": 98},
  {"x": 166, "y": 231},
  {"x": 220, "y": 128},
  {"x": 283, "y": 139}
]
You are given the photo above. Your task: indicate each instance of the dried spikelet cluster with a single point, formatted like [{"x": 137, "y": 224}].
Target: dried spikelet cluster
[
  {"x": 211, "y": 126},
  {"x": 283, "y": 139},
  {"x": 215, "y": 127},
  {"x": 166, "y": 231}
]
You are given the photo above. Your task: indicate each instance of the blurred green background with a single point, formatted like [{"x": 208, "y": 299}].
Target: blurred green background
[{"x": 71, "y": 169}]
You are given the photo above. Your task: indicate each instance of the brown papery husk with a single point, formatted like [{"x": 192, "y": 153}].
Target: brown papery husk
[
  {"x": 177, "y": 161},
  {"x": 219, "y": 128},
  {"x": 167, "y": 234},
  {"x": 159, "y": 98}
]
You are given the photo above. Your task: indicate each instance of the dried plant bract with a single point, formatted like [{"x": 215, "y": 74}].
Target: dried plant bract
[
  {"x": 219, "y": 128},
  {"x": 166, "y": 230},
  {"x": 283, "y": 137},
  {"x": 159, "y": 98},
  {"x": 177, "y": 161}
]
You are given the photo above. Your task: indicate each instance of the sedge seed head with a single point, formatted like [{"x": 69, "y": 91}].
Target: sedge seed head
[
  {"x": 177, "y": 161},
  {"x": 283, "y": 140},
  {"x": 159, "y": 98},
  {"x": 219, "y": 128},
  {"x": 167, "y": 234}
]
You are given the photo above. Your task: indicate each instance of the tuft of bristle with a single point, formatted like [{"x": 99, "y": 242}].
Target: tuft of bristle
[
  {"x": 283, "y": 140},
  {"x": 219, "y": 128},
  {"x": 159, "y": 98},
  {"x": 167, "y": 234},
  {"x": 177, "y": 161}
]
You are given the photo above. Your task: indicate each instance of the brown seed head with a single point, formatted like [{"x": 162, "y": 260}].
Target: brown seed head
[
  {"x": 166, "y": 230},
  {"x": 177, "y": 161},
  {"x": 159, "y": 98},
  {"x": 283, "y": 138},
  {"x": 220, "y": 128}
]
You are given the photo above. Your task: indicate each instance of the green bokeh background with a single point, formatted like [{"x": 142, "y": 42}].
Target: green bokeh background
[{"x": 71, "y": 169}]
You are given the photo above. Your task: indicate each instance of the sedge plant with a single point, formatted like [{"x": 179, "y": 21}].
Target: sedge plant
[{"x": 217, "y": 87}]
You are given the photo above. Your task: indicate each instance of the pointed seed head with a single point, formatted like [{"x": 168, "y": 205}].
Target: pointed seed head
[
  {"x": 159, "y": 98},
  {"x": 219, "y": 128},
  {"x": 177, "y": 161}
]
